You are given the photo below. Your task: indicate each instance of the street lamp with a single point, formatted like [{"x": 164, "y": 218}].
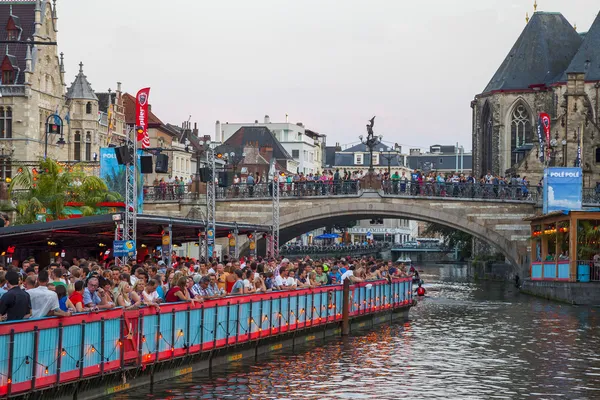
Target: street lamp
[
  {"x": 6, "y": 154},
  {"x": 55, "y": 128},
  {"x": 371, "y": 141},
  {"x": 235, "y": 160},
  {"x": 389, "y": 157}
]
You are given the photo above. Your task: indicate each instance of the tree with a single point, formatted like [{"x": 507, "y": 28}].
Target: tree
[
  {"x": 452, "y": 237},
  {"x": 48, "y": 188}
]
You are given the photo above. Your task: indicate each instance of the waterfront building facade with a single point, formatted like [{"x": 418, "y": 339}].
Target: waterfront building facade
[
  {"x": 357, "y": 158},
  {"x": 441, "y": 158},
  {"x": 305, "y": 146},
  {"x": 551, "y": 69}
]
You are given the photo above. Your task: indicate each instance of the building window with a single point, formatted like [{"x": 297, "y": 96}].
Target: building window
[
  {"x": 77, "y": 146},
  {"x": 441, "y": 160},
  {"x": 597, "y": 155},
  {"x": 5, "y": 122},
  {"x": 358, "y": 159},
  {"x": 521, "y": 132},
  {"x": 8, "y": 77},
  {"x": 88, "y": 146},
  {"x": 296, "y": 154},
  {"x": 88, "y": 108},
  {"x": 487, "y": 126},
  {"x": 13, "y": 34},
  {"x": 375, "y": 159}
]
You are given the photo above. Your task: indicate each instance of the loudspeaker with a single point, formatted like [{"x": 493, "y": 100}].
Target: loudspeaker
[
  {"x": 146, "y": 164},
  {"x": 225, "y": 179},
  {"x": 162, "y": 164},
  {"x": 203, "y": 172},
  {"x": 123, "y": 156}
]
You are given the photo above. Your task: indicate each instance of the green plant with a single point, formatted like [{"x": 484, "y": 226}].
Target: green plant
[{"x": 47, "y": 188}]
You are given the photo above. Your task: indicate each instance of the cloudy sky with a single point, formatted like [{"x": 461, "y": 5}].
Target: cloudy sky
[{"x": 331, "y": 64}]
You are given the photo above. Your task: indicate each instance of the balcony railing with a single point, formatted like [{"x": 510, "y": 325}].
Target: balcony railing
[
  {"x": 12, "y": 90},
  {"x": 169, "y": 193},
  {"x": 292, "y": 189}
]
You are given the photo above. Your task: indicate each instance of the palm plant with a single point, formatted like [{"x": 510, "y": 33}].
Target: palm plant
[
  {"x": 588, "y": 239},
  {"x": 47, "y": 190}
]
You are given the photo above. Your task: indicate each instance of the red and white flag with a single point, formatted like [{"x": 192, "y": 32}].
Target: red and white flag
[{"x": 141, "y": 116}]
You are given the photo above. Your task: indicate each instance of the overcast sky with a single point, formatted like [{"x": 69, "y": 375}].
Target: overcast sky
[{"x": 329, "y": 64}]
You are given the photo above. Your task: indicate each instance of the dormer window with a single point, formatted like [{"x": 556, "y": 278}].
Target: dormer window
[
  {"x": 8, "y": 77},
  {"x": 13, "y": 28}
]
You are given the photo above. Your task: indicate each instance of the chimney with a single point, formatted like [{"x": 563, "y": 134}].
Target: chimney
[
  {"x": 195, "y": 131},
  {"x": 256, "y": 121},
  {"x": 266, "y": 152},
  {"x": 118, "y": 87},
  {"x": 149, "y": 108},
  {"x": 219, "y": 132},
  {"x": 337, "y": 146},
  {"x": 267, "y": 119},
  {"x": 300, "y": 124}
]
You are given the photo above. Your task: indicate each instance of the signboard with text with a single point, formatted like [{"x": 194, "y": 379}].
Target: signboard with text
[
  {"x": 124, "y": 248},
  {"x": 562, "y": 189}
]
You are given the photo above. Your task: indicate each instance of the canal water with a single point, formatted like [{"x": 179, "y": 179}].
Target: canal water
[{"x": 464, "y": 340}]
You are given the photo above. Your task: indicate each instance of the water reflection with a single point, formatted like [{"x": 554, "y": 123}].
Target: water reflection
[{"x": 464, "y": 341}]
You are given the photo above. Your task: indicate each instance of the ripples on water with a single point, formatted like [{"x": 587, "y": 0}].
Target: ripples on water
[{"x": 464, "y": 341}]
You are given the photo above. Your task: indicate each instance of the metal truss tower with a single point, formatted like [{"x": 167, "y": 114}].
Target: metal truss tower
[
  {"x": 127, "y": 230},
  {"x": 210, "y": 202},
  {"x": 275, "y": 229}
]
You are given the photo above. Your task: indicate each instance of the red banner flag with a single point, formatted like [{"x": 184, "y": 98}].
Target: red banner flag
[
  {"x": 141, "y": 116},
  {"x": 545, "y": 118}
]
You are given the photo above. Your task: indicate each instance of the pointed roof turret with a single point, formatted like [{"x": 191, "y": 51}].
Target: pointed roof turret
[
  {"x": 81, "y": 89},
  {"x": 587, "y": 59},
  {"x": 540, "y": 55}
]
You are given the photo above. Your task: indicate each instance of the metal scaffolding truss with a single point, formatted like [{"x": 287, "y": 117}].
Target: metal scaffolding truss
[
  {"x": 275, "y": 230},
  {"x": 127, "y": 229},
  {"x": 210, "y": 201}
]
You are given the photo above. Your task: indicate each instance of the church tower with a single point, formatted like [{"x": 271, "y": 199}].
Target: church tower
[{"x": 82, "y": 131}]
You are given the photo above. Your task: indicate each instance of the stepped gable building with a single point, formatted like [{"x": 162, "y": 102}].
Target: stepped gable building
[{"x": 550, "y": 69}]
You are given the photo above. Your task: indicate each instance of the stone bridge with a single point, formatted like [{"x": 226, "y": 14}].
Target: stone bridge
[{"x": 494, "y": 221}]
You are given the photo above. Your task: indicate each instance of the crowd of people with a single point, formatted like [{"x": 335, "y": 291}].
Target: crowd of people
[{"x": 28, "y": 290}]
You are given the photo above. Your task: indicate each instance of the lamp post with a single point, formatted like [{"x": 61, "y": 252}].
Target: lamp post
[
  {"x": 371, "y": 141},
  {"x": 234, "y": 159},
  {"x": 6, "y": 154},
  {"x": 55, "y": 128},
  {"x": 389, "y": 157}
]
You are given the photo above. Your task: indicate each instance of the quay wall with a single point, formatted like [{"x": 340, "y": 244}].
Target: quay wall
[
  {"x": 92, "y": 355},
  {"x": 582, "y": 293}
]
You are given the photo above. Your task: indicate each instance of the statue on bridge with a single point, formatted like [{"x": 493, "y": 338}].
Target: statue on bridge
[{"x": 370, "y": 126}]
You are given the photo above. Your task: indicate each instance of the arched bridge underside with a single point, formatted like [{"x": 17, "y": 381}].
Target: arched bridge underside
[{"x": 495, "y": 222}]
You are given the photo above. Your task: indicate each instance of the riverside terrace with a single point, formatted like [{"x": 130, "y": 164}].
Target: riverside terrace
[
  {"x": 82, "y": 237},
  {"x": 97, "y": 354}
]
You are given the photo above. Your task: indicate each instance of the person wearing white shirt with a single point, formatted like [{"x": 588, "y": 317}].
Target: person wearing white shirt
[
  {"x": 349, "y": 274},
  {"x": 283, "y": 281},
  {"x": 44, "y": 302}
]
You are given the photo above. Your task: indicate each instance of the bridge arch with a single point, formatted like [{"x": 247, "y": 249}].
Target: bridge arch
[{"x": 302, "y": 220}]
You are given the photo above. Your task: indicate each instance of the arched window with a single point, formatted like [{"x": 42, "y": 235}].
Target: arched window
[
  {"x": 487, "y": 130},
  {"x": 5, "y": 122},
  {"x": 77, "y": 147},
  {"x": 521, "y": 133},
  {"x": 88, "y": 146},
  {"x": 88, "y": 108},
  {"x": 597, "y": 155}
]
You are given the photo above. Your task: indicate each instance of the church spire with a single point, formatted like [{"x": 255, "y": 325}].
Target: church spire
[
  {"x": 527, "y": 17},
  {"x": 534, "y": 5},
  {"x": 81, "y": 88}
]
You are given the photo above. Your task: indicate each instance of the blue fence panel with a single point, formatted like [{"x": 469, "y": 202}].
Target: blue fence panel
[
  {"x": 221, "y": 329},
  {"x": 150, "y": 334},
  {"x": 233, "y": 320},
  {"x": 564, "y": 270},
  {"x": 93, "y": 343},
  {"x": 195, "y": 316},
  {"x": 256, "y": 316},
  {"x": 48, "y": 351},
  {"x": 181, "y": 333},
  {"x": 294, "y": 309},
  {"x": 244, "y": 318},
  {"x": 72, "y": 347},
  {"x": 274, "y": 315},
  {"x": 284, "y": 310},
  {"x": 209, "y": 329},
  {"x": 22, "y": 367},
  {"x": 112, "y": 335},
  {"x": 4, "y": 355},
  {"x": 549, "y": 271},
  {"x": 165, "y": 332}
]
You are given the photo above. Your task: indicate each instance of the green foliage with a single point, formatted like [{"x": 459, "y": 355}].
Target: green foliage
[
  {"x": 453, "y": 238},
  {"x": 49, "y": 187},
  {"x": 588, "y": 240}
]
